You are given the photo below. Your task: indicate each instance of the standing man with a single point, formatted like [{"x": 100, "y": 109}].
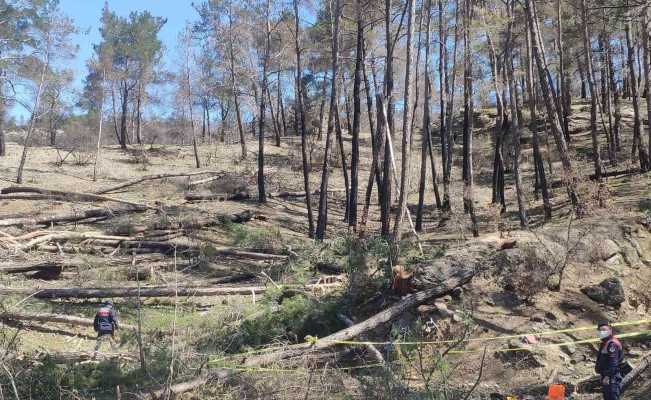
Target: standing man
[
  {"x": 609, "y": 359},
  {"x": 105, "y": 324}
]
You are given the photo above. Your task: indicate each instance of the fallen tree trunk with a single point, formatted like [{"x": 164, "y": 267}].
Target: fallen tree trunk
[
  {"x": 54, "y": 318},
  {"x": 75, "y": 216},
  {"x": 66, "y": 236},
  {"x": 149, "y": 178},
  {"x": 18, "y": 269},
  {"x": 156, "y": 291},
  {"x": 68, "y": 196},
  {"x": 372, "y": 349},
  {"x": 593, "y": 383},
  {"x": 170, "y": 392},
  {"x": 459, "y": 278},
  {"x": 593, "y": 177},
  {"x": 644, "y": 363},
  {"x": 288, "y": 194},
  {"x": 206, "y": 180},
  {"x": 81, "y": 356},
  {"x": 191, "y": 196}
]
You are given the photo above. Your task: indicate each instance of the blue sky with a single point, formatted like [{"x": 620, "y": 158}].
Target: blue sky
[{"x": 86, "y": 15}]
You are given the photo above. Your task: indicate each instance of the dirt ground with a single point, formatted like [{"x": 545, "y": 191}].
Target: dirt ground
[{"x": 495, "y": 311}]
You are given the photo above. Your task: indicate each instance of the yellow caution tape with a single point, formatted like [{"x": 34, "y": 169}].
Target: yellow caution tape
[
  {"x": 380, "y": 365},
  {"x": 547, "y": 345},
  {"x": 494, "y": 338}
]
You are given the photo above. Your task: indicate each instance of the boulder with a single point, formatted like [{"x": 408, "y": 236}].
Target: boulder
[{"x": 609, "y": 292}]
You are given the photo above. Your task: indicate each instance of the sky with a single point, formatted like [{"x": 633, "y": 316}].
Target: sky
[{"x": 87, "y": 13}]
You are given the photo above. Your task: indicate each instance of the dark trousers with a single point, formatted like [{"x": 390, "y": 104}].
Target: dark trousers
[{"x": 611, "y": 391}]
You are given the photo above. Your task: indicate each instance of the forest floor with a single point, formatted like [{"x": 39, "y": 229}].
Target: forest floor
[{"x": 188, "y": 334}]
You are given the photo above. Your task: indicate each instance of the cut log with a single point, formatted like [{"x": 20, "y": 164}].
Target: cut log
[
  {"x": 83, "y": 356},
  {"x": 75, "y": 216},
  {"x": 174, "y": 390},
  {"x": 372, "y": 349},
  {"x": 458, "y": 278},
  {"x": 190, "y": 196},
  {"x": 288, "y": 194},
  {"x": 68, "y": 196},
  {"x": 18, "y": 269},
  {"x": 206, "y": 180},
  {"x": 54, "y": 318},
  {"x": 150, "y": 178},
  {"x": 645, "y": 362},
  {"x": 146, "y": 291},
  {"x": 66, "y": 236}
]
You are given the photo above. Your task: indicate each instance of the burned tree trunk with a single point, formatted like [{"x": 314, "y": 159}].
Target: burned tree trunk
[
  {"x": 468, "y": 198},
  {"x": 554, "y": 119},
  {"x": 322, "y": 219},
  {"x": 587, "y": 48},
  {"x": 301, "y": 112}
]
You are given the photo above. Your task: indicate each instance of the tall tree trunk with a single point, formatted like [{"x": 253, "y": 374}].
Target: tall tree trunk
[
  {"x": 386, "y": 198},
  {"x": 443, "y": 125},
  {"x": 646, "y": 28},
  {"x": 274, "y": 120},
  {"x": 3, "y": 144},
  {"x": 322, "y": 218},
  {"x": 607, "y": 93},
  {"x": 406, "y": 130},
  {"x": 419, "y": 47},
  {"x": 32, "y": 121},
  {"x": 123, "y": 116},
  {"x": 376, "y": 145},
  {"x": 468, "y": 200},
  {"x": 515, "y": 120},
  {"x": 322, "y": 105},
  {"x": 99, "y": 130},
  {"x": 425, "y": 140},
  {"x": 301, "y": 112},
  {"x": 139, "y": 116},
  {"x": 633, "y": 84},
  {"x": 281, "y": 107},
  {"x": 554, "y": 119},
  {"x": 234, "y": 89},
  {"x": 616, "y": 100},
  {"x": 498, "y": 159},
  {"x": 587, "y": 48},
  {"x": 357, "y": 116},
  {"x": 342, "y": 153},
  {"x": 584, "y": 90},
  {"x": 188, "y": 79},
  {"x": 262, "y": 195},
  {"x": 566, "y": 99},
  {"x": 538, "y": 161}
]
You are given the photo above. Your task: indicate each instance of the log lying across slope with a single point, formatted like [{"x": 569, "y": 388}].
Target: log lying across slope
[
  {"x": 146, "y": 291},
  {"x": 65, "y": 196},
  {"x": 54, "y": 318},
  {"x": 436, "y": 279},
  {"x": 183, "y": 387},
  {"x": 74, "y": 216},
  {"x": 149, "y": 178}
]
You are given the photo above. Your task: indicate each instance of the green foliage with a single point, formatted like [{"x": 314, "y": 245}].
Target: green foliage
[
  {"x": 292, "y": 320},
  {"x": 253, "y": 237}
]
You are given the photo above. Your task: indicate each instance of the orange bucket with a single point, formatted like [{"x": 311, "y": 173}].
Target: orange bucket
[{"x": 556, "y": 392}]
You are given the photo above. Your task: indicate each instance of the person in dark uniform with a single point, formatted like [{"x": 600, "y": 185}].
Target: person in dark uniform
[
  {"x": 609, "y": 360},
  {"x": 105, "y": 324}
]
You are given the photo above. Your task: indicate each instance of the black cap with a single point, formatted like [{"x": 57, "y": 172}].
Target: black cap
[{"x": 603, "y": 323}]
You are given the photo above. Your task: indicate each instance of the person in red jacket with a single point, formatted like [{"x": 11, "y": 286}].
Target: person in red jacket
[
  {"x": 105, "y": 324},
  {"x": 609, "y": 360}
]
